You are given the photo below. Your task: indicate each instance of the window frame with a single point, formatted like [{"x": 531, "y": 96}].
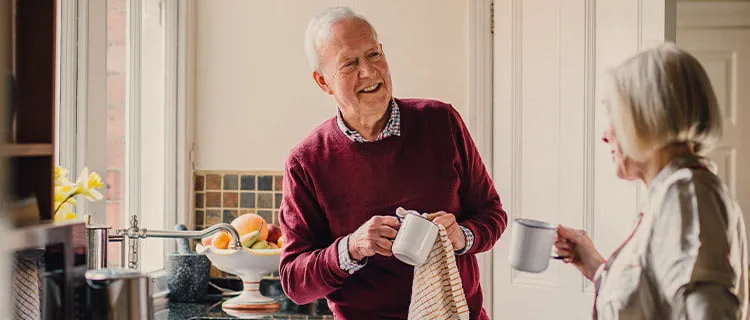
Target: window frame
[{"x": 82, "y": 110}]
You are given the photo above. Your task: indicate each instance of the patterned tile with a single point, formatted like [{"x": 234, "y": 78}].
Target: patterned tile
[
  {"x": 277, "y": 183},
  {"x": 199, "y": 183},
  {"x": 213, "y": 217},
  {"x": 200, "y": 200},
  {"x": 265, "y": 183},
  {"x": 277, "y": 197},
  {"x": 230, "y": 200},
  {"x": 247, "y": 182},
  {"x": 213, "y": 182},
  {"x": 265, "y": 200},
  {"x": 231, "y": 182},
  {"x": 275, "y": 217},
  {"x": 213, "y": 200},
  {"x": 229, "y": 215},
  {"x": 247, "y": 200},
  {"x": 199, "y": 217},
  {"x": 266, "y": 214}
]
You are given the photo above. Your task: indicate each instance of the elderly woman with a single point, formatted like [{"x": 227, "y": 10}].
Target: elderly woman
[{"x": 686, "y": 257}]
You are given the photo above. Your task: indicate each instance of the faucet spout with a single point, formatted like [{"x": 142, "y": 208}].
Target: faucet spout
[
  {"x": 130, "y": 236},
  {"x": 234, "y": 242}
]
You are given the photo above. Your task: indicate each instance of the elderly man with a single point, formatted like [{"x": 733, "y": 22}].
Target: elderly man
[{"x": 343, "y": 183}]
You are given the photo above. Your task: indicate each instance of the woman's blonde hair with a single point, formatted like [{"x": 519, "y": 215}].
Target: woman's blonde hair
[{"x": 663, "y": 96}]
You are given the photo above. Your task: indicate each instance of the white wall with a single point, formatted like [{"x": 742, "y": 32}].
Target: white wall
[{"x": 255, "y": 98}]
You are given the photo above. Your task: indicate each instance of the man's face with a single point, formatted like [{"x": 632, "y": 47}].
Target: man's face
[{"x": 353, "y": 68}]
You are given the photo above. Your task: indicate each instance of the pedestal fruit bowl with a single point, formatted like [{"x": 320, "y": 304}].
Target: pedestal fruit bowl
[
  {"x": 259, "y": 256},
  {"x": 251, "y": 265}
]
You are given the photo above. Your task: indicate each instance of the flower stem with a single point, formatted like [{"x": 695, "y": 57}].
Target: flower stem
[{"x": 64, "y": 201}]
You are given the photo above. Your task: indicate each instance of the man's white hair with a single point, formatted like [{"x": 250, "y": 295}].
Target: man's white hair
[{"x": 319, "y": 29}]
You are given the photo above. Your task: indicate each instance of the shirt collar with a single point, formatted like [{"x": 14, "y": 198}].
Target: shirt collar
[
  {"x": 681, "y": 162},
  {"x": 392, "y": 127}
]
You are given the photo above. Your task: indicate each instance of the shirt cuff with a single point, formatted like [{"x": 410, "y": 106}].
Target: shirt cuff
[
  {"x": 346, "y": 262},
  {"x": 469, "y": 240}
]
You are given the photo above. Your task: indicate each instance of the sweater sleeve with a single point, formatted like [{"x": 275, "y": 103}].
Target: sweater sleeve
[
  {"x": 483, "y": 212},
  {"x": 309, "y": 267}
]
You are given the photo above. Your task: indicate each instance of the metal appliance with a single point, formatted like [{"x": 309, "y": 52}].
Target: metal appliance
[
  {"x": 60, "y": 249},
  {"x": 119, "y": 294}
]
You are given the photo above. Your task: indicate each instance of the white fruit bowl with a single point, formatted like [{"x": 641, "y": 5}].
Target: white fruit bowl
[{"x": 251, "y": 265}]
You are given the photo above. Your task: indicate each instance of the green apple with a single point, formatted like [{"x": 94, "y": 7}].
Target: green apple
[{"x": 261, "y": 245}]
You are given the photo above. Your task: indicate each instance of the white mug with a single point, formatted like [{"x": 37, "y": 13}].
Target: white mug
[
  {"x": 531, "y": 245},
  {"x": 414, "y": 239}
]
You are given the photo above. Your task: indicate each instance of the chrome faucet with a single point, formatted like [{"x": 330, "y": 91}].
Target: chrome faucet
[{"x": 99, "y": 239}]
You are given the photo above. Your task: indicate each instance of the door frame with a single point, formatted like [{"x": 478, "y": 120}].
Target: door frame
[
  {"x": 479, "y": 118},
  {"x": 730, "y": 14}
]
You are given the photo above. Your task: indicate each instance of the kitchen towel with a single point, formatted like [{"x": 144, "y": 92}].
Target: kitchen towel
[
  {"x": 27, "y": 286},
  {"x": 437, "y": 292}
]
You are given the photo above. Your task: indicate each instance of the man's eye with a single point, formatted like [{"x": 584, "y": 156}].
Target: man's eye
[{"x": 374, "y": 54}]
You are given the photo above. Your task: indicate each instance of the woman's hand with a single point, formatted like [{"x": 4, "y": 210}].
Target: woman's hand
[{"x": 575, "y": 247}]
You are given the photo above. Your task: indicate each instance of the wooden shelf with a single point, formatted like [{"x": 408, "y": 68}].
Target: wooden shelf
[
  {"x": 27, "y": 150},
  {"x": 30, "y": 158}
]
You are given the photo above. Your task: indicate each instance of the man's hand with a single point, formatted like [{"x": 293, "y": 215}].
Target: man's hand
[
  {"x": 455, "y": 234},
  {"x": 374, "y": 236}
]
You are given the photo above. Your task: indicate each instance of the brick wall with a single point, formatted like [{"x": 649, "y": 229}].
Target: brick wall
[{"x": 116, "y": 91}]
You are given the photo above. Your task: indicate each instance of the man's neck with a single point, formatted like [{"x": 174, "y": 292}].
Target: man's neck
[{"x": 368, "y": 124}]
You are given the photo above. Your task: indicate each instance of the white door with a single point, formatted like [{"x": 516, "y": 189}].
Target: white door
[
  {"x": 549, "y": 161},
  {"x": 718, "y": 34}
]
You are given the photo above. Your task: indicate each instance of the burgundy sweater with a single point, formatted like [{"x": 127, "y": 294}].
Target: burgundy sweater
[{"x": 333, "y": 185}]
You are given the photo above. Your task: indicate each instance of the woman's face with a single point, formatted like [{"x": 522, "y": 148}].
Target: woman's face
[{"x": 625, "y": 167}]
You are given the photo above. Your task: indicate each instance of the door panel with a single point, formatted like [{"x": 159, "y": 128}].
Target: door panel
[{"x": 724, "y": 52}]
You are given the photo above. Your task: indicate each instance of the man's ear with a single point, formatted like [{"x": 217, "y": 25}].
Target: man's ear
[{"x": 320, "y": 80}]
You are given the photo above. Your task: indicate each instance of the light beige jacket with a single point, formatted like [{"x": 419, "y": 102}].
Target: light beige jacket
[{"x": 686, "y": 258}]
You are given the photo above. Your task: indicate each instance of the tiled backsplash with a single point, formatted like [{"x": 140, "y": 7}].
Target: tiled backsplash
[{"x": 221, "y": 196}]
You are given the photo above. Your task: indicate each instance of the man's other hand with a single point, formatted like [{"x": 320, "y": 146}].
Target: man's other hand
[{"x": 455, "y": 234}]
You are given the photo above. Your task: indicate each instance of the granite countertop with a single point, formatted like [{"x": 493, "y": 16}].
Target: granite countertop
[{"x": 211, "y": 308}]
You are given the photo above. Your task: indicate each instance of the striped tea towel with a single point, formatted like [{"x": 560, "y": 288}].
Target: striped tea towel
[
  {"x": 27, "y": 289},
  {"x": 437, "y": 292}
]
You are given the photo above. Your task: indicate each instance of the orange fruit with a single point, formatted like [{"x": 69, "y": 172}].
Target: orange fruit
[
  {"x": 280, "y": 242},
  {"x": 221, "y": 240},
  {"x": 250, "y": 222}
]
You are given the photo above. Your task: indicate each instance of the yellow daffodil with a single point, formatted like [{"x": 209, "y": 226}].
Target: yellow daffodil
[
  {"x": 88, "y": 183},
  {"x": 65, "y": 213},
  {"x": 65, "y": 191},
  {"x": 61, "y": 176}
]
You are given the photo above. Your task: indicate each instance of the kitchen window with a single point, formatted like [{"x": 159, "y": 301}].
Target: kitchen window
[{"x": 122, "y": 113}]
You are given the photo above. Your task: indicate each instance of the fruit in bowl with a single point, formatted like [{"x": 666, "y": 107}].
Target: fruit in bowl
[{"x": 254, "y": 231}]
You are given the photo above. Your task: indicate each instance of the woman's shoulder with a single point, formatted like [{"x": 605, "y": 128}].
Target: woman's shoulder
[{"x": 691, "y": 192}]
